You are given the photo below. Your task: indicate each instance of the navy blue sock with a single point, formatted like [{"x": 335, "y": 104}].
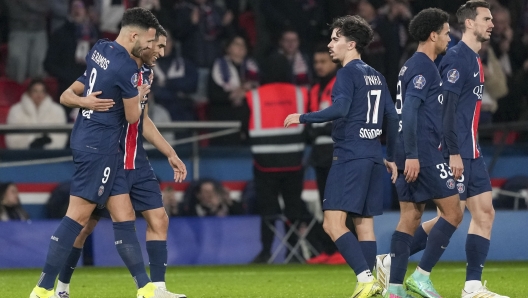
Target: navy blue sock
[
  {"x": 436, "y": 244},
  {"x": 59, "y": 249},
  {"x": 157, "y": 252},
  {"x": 68, "y": 268},
  {"x": 128, "y": 248},
  {"x": 370, "y": 250},
  {"x": 477, "y": 248},
  {"x": 419, "y": 240},
  {"x": 349, "y": 247},
  {"x": 400, "y": 248}
]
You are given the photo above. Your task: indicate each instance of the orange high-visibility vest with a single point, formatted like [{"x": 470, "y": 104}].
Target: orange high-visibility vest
[
  {"x": 274, "y": 147},
  {"x": 318, "y": 103}
]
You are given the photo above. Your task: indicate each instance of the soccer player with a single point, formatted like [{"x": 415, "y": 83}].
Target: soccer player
[
  {"x": 360, "y": 100},
  {"x": 143, "y": 187},
  {"x": 425, "y": 175},
  {"x": 463, "y": 76},
  {"x": 98, "y": 178}
]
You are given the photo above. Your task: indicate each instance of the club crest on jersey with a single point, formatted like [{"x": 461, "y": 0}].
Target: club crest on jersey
[
  {"x": 461, "y": 188},
  {"x": 402, "y": 71},
  {"x": 134, "y": 80},
  {"x": 419, "y": 82},
  {"x": 453, "y": 75},
  {"x": 450, "y": 184},
  {"x": 101, "y": 190}
]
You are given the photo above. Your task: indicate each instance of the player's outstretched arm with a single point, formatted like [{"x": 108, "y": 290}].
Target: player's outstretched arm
[
  {"x": 449, "y": 124},
  {"x": 409, "y": 130},
  {"x": 73, "y": 98},
  {"x": 338, "y": 109},
  {"x": 153, "y": 136}
]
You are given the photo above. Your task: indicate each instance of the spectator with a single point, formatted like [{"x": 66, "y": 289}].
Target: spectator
[
  {"x": 36, "y": 107},
  {"x": 289, "y": 54},
  {"x": 59, "y": 14},
  {"x": 302, "y": 16},
  {"x": 392, "y": 27},
  {"x": 375, "y": 52},
  {"x": 495, "y": 86},
  {"x": 170, "y": 201},
  {"x": 110, "y": 14},
  {"x": 28, "y": 40},
  {"x": 210, "y": 198},
  {"x": 69, "y": 45},
  {"x": 201, "y": 27},
  {"x": 10, "y": 207},
  {"x": 231, "y": 77},
  {"x": 175, "y": 79}
]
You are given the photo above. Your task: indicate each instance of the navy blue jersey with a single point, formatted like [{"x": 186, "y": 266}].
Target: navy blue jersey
[
  {"x": 109, "y": 69},
  {"x": 461, "y": 70},
  {"x": 355, "y": 136},
  {"x": 131, "y": 143},
  {"x": 419, "y": 78}
]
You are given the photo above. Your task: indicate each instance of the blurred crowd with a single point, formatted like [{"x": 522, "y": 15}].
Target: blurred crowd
[{"x": 218, "y": 50}]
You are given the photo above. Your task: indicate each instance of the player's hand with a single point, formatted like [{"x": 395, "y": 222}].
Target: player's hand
[
  {"x": 143, "y": 91},
  {"x": 412, "y": 168},
  {"x": 456, "y": 165},
  {"x": 392, "y": 169},
  {"x": 151, "y": 76},
  {"x": 180, "y": 171},
  {"x": 292, "y": 119},
  {"x": 91, "y": 102}
]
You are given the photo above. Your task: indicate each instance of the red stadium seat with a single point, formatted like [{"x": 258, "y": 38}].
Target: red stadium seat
[
  {"x": 10, "y": 92},
  {"x": 53, "y": 87}
]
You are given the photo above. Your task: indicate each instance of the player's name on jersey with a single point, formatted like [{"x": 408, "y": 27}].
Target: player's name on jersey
[
  {"x": 100, "y": 60},
  {"x": 372, "y": 80}
]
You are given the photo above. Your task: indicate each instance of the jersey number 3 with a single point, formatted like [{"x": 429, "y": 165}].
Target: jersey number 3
[
  {"x": 91, "y": 82},
  {"x": 370, "y": 98}
]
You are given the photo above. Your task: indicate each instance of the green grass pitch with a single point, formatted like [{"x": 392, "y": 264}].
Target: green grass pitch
[{"x": 506, "y": 278}]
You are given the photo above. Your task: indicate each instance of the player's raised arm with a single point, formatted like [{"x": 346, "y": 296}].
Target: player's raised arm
[
  {"x": 153, "y": 136},
  {"x": 72, "y": 98},
  {"x": 410, "y": 140}
]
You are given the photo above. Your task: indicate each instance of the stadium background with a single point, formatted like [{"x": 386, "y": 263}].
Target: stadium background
[{"x": 235, "y": 239}]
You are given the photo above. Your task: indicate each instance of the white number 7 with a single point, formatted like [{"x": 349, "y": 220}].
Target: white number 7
[{"x": 377, "y": 93}]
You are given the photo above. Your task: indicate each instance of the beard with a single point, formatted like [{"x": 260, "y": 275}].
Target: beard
[
  {"x": 136, "y": 50},
  {"x": 481, "y": 37}
]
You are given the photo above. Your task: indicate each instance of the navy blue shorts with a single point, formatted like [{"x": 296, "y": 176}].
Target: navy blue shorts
[
  {"x": 96, "y": 175},
  {"x": 475, "y": 179},
  {"x": 355, "y": 186},
  {"x": 144, "y": 189},
  {"x": 433, "y": 182}
]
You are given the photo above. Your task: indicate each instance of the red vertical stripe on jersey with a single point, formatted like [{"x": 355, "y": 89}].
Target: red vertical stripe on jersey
[
  {"x": 131, "y": 138},
  {"x": 481, "y": 70},
  {"x": 474, "y": 131}
]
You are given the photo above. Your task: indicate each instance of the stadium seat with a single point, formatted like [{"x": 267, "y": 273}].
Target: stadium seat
[
  {"x": 10, "y": 92},
  {"x": 53, "y": 87}
]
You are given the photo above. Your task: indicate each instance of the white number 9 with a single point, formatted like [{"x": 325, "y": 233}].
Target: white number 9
[
  {"x": 91, "y": 81},
  {"x": 106, "y": 174}
]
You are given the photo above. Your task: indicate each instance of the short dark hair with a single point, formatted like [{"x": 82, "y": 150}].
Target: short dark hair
[
  {"x": 427, "y": 21},
  {"x": 34, "y": 82},
  {"x": 139, "y": 17},
  {"x": 160, "y": 31},
  {"x": 468, "y": 10},
  {"x": 354, "y": 28}
]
